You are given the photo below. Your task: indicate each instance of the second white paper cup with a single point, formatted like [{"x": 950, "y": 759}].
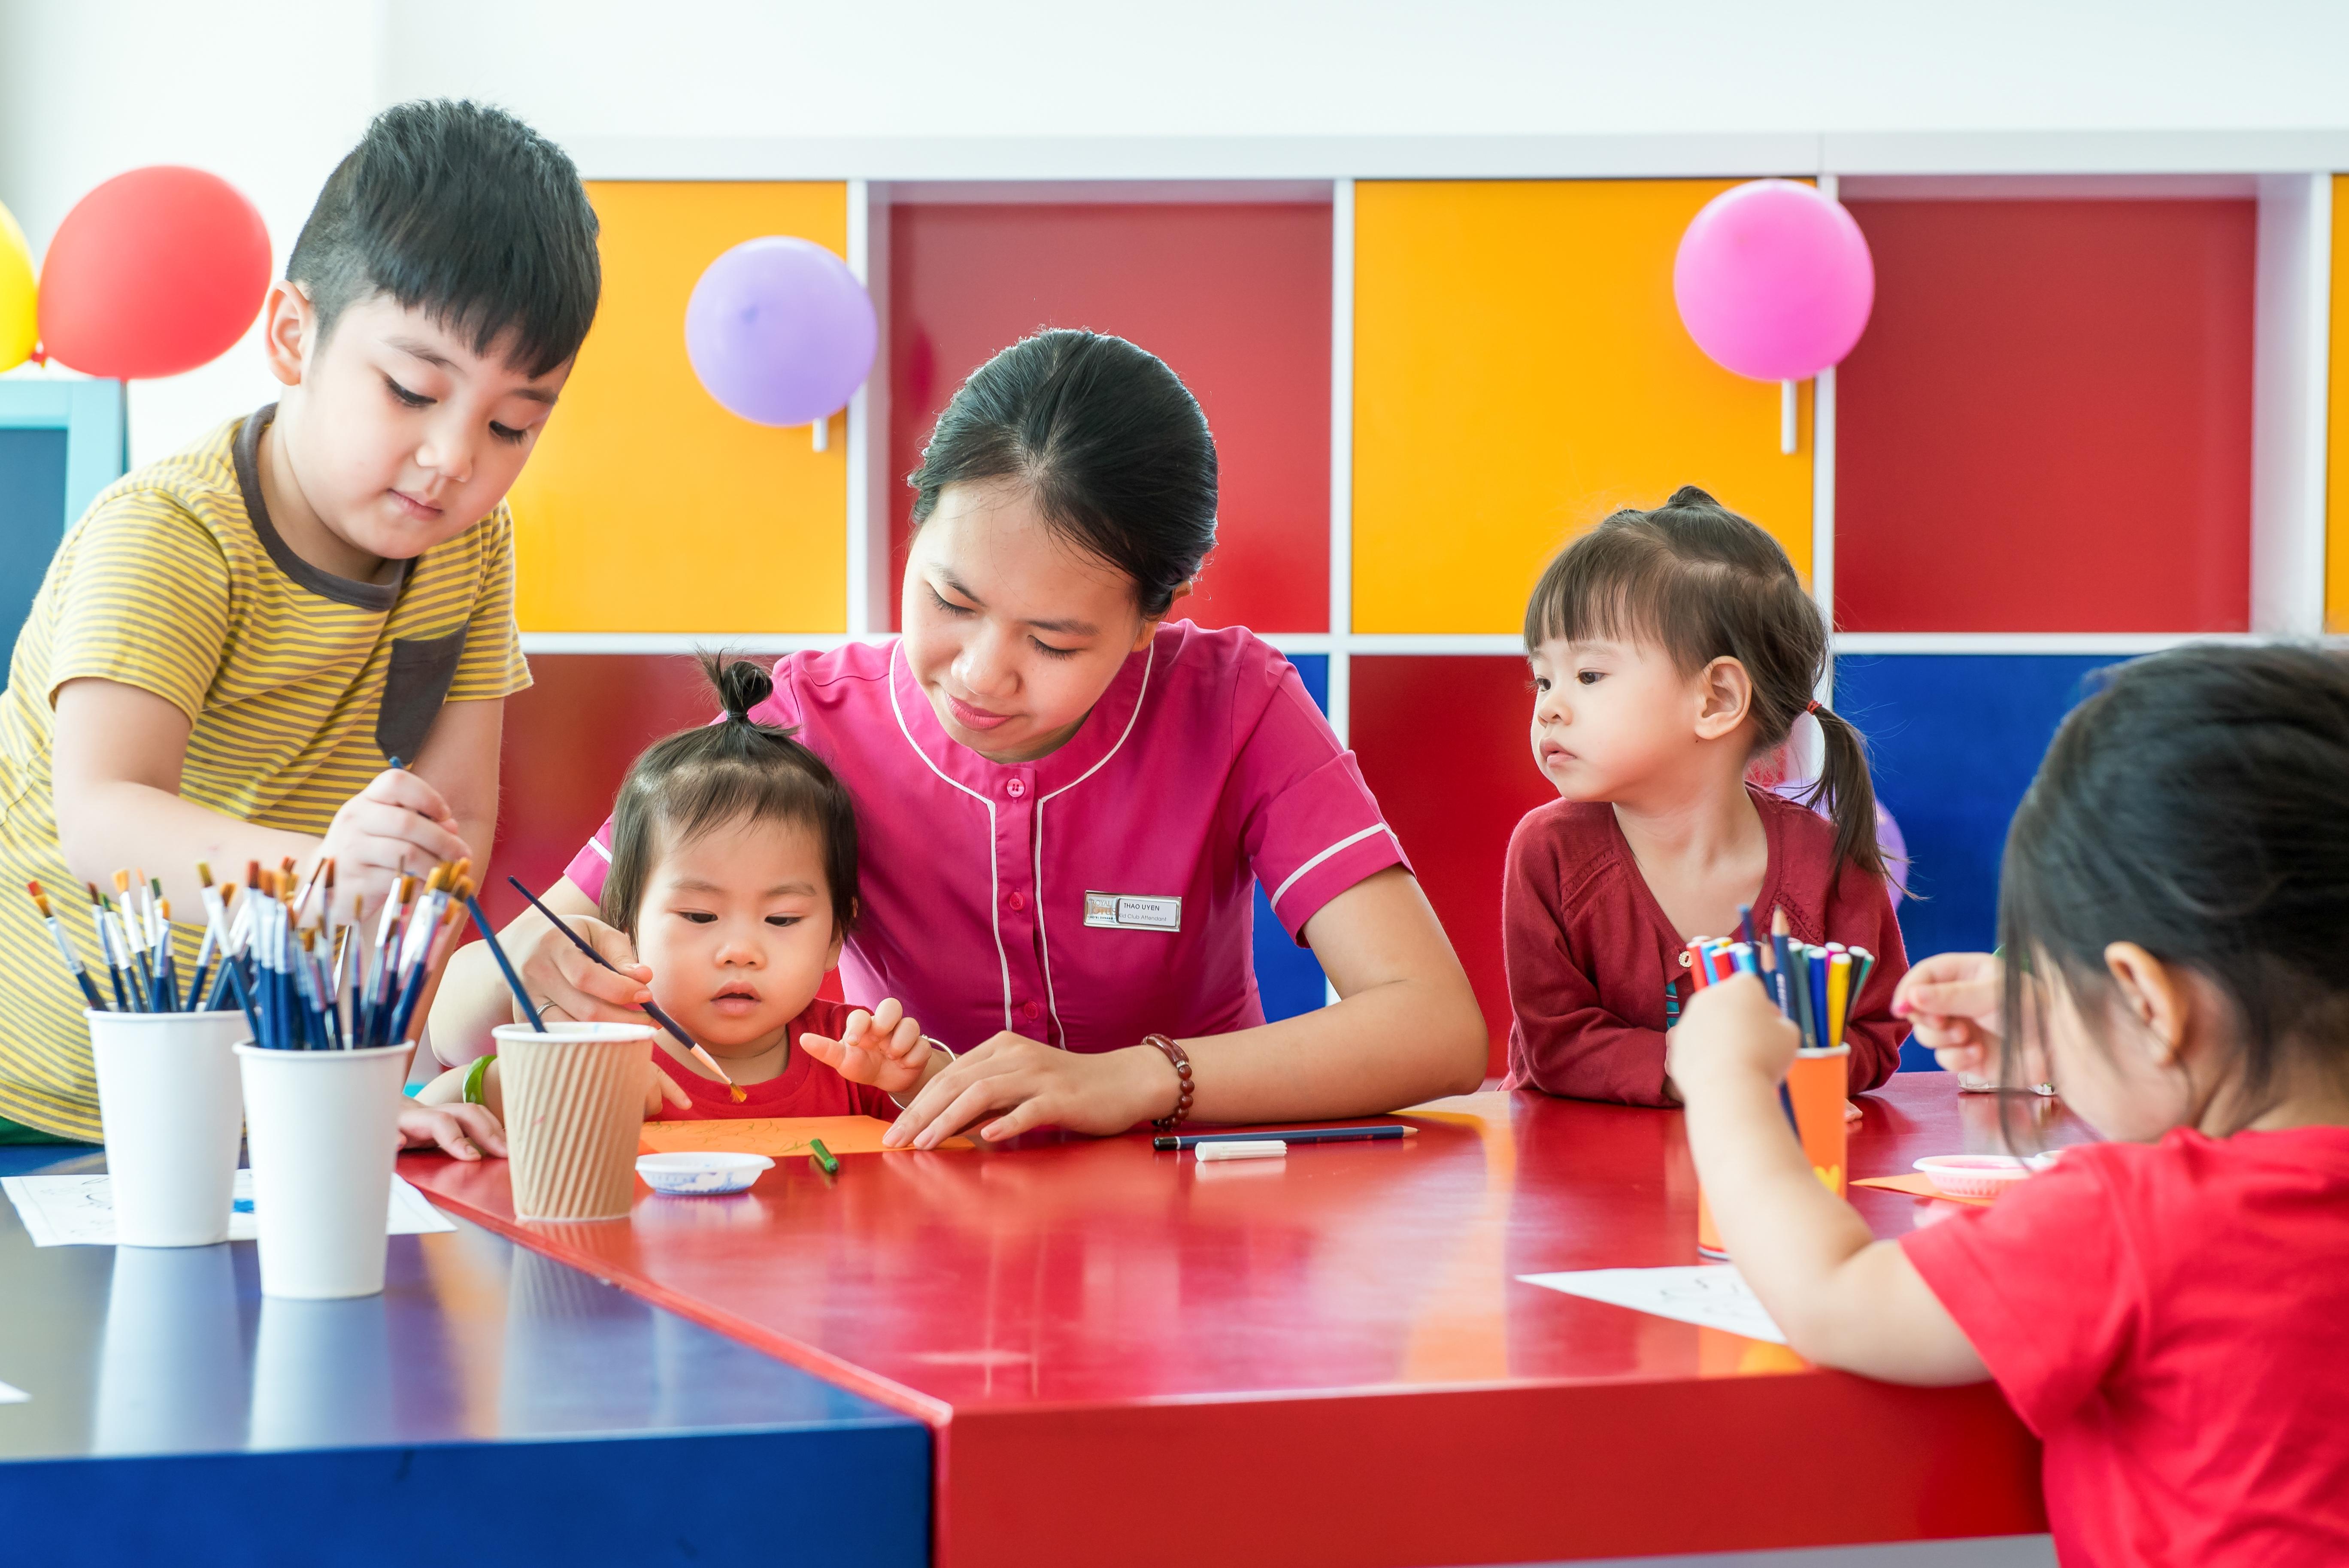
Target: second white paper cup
[
  {"x": 168, "y": 1101},
  {"x": 323, "y": 1127}
]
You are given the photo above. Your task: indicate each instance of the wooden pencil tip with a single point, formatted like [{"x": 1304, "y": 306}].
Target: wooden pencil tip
[{"x": 1778, "y": 921}]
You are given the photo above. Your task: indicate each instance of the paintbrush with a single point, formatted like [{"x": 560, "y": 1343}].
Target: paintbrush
[
  {"x": 652, "y": 1009},
  {"x": 65, "y": 949}
]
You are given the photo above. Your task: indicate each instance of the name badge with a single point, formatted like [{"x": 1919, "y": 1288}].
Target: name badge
[{"x": 1126, "y": 911}]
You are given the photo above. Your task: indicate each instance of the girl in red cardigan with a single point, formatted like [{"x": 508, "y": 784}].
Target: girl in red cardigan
[{"x": 1670, "y": 648}]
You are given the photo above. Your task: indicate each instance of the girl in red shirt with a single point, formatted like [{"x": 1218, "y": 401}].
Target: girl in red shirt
[
  {"x": 2166, "y": 1310},
  {"x": 1670, "y": 648},
  {"x": 734, "y": 871}
]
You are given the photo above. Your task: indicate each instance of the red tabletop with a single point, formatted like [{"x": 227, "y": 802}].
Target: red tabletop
[{"x": 1127, "y": 1356}]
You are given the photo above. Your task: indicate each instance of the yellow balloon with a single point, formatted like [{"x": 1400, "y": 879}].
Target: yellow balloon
[{"x": 19, "y": 322}]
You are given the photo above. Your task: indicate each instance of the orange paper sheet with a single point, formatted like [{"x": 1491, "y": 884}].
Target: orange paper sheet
[
  {"x": 1917, "y": 1184},
  {"x": 774, "y": 1136}
]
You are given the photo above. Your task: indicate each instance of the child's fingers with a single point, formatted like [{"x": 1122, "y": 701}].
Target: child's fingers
[
  {"x": 886, "y": 1016},
  {"x": 859, "y": 1023},
  {"x": 907, "y": 1040},
  {"x": 410, "y": 791},
  {"x": 823, "y": 1049}
]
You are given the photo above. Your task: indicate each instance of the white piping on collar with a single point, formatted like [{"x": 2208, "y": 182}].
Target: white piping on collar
[{"x": 994, "y": 873}]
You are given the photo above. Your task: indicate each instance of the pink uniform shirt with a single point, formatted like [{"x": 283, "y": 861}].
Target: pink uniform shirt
[{"x": 1098, "y": 895}]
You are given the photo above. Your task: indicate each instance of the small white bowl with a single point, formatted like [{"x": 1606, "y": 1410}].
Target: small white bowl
[
  {"x": 701, "y": 1174},
  {"x": 1978, "y": 1175}
]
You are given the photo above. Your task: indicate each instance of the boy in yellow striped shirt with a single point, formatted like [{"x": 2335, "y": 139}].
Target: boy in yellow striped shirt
[{"x": 233, "y": 643}]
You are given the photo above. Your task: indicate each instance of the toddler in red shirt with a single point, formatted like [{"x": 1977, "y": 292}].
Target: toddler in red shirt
[
  {"x": 1670, "y": 648},
  {"x": 734, "y": 873},
  {"x": 2166, "y": 1311}
]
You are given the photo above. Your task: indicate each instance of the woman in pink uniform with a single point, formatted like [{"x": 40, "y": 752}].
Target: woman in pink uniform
[{"x": 1064, "y": 796}]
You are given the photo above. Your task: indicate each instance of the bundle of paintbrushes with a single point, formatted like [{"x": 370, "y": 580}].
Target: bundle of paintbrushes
[
  {"x": 308, "y": 974},
  {"x": 1814, "y": 986}
]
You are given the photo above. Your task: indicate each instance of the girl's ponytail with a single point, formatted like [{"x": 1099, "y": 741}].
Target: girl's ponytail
[
  {"x": 1848, "y": 791},
  {"x": 741, "y": 684}
]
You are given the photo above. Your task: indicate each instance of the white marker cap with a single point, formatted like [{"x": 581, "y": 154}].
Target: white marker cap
[{"x": 1241, "y": 1148}]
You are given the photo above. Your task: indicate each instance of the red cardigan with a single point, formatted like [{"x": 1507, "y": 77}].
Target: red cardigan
[{"x": 1590, "y": 953}]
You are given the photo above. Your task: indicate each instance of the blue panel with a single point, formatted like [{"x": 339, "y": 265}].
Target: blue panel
[
  {"x": 32, "y": 518},
  {"x": 1288, "y": 976},
  {"x": 1956, "y": 738},
  {"x": 492, "y": 1405}
]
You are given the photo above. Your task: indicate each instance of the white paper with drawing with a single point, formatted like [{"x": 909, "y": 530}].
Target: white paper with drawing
[
  {"x": 79, "y": 1211},
  {"x": 1710, "y": 1295}
]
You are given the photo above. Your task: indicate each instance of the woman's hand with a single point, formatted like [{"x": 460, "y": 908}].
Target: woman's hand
[
  {"x": 1024, "y": 1085},
  {"x": 569, "y": 986},
  {"x": 1728, "y": 1030},
  {"x": 1952, "y": 1002},
  {"x": 882, "y": 1047},
  {"x": 462, "y": 1131}
]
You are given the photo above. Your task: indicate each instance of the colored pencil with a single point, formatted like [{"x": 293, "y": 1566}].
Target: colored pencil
[
  {"x": 1838, "y": 995},
  {"x": 1385, "y": 1133}
]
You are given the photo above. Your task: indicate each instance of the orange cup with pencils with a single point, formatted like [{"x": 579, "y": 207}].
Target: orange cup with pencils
[
  {"x": 1819, "y": 1082},
  {"x": 1816, "y": 1083}
]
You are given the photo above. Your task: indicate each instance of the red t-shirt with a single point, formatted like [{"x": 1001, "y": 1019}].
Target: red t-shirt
[
  {"x": 2172, "y": 1319},
  {"x": 1590, "y": 955},
  {"x": 804, "y": 1087}
]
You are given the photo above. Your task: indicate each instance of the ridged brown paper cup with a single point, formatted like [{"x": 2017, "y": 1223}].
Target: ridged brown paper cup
[{"x": 574, "y": 1103}]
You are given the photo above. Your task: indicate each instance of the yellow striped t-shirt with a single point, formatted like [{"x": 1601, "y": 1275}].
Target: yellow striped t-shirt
[{"x": 299, "y": 685}]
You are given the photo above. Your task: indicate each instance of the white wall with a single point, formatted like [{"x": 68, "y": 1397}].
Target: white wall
[{"x": 269, "y": 94}]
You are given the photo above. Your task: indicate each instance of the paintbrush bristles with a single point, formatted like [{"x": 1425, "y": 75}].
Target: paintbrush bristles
[{"x": 41, "y": 899}]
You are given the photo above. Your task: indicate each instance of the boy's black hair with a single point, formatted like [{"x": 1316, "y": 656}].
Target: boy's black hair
[
  {"x": 1108, "y": 441},
  {"x": 2198, "y": 806},
  {"x": 1703, "y": 583},
  {"x": 461, "y": 210},
  {"x": 735, "y": 770}
]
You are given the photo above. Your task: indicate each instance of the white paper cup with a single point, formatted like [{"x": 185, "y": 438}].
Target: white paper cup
[
  {"x": 323, "y": 1127},
  {"x": 168, "y": 1098},
  {"x": 574, "y": 1104}
]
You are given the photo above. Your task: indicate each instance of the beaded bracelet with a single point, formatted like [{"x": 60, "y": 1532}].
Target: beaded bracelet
[{"x": 1182, "y": 1066}]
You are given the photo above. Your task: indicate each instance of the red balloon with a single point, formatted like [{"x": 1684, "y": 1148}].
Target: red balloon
[{"x": 155, "y": 272}]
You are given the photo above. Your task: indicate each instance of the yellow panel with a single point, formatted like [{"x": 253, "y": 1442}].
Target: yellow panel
[
  {"x": 1519, "y": 371},
  {"x": 2337, "y": 458},
  {"x": 648, "y": 508}
]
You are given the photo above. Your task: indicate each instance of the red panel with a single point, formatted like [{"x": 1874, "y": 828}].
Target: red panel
[
  {"x": 1235, "y": 297},
  {"x": 2047, "y": 427},
  {"x": 1157, "y": 1358},
  {"x": 568, "y": 743},
  {"x": 1442, "y": 741}
]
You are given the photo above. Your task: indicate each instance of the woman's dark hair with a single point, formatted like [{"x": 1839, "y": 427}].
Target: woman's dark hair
[
  {"x": 735, "y": 770},
  {"x": 1109, "y": 441},
  {"x": 462, "y": 212},
  {"x": 2198, "y": 806},
  {"x": 1705, "y": 584}
]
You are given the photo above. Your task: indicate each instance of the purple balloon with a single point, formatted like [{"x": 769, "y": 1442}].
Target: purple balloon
[
  {"x": 780, "y": 331},
  {"x": 1774, "y": 279}
]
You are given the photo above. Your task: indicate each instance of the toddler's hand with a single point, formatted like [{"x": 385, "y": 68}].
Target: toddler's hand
[
  {"x": 1729, "y": 1027},
  {"x": 464, "y": 1131},
  {"x": 660, "y": 1090},
  {"x": 882, "y": 1048}
]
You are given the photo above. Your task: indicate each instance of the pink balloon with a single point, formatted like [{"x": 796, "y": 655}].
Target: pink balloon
[{"x": 1774, "y": 281}]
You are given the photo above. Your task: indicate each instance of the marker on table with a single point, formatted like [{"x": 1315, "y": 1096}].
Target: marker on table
[
  {"x": 825, "y": 1160},
  {"x": 1383, "y": 1134}
]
